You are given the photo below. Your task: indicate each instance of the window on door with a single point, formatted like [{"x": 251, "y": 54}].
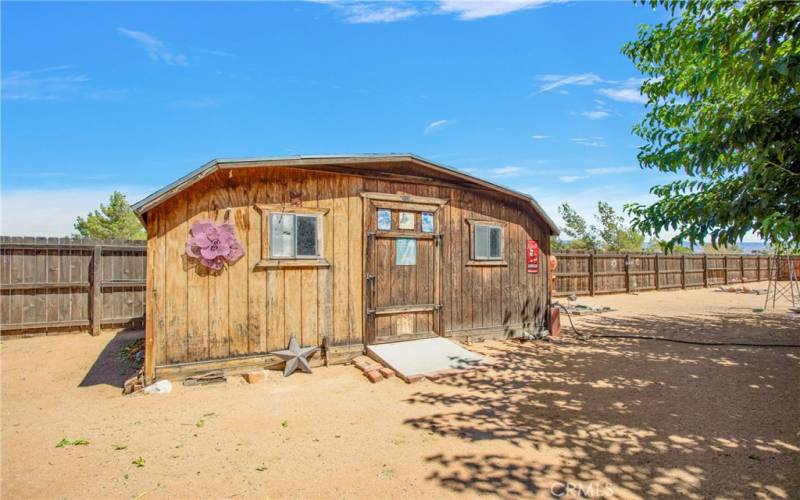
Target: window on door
[
  {"x": 487, "y": 241},
  {"x": 294, "y": 236}
]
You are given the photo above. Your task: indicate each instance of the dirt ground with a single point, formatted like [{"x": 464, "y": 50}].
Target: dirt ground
[{"x": 613, "y": 417}]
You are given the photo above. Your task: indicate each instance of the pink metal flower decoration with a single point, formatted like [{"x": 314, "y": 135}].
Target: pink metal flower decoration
[{"x": 214, "y": 245}]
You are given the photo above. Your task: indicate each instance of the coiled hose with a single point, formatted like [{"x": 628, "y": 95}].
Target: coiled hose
[{"x": 586, "y": 338}]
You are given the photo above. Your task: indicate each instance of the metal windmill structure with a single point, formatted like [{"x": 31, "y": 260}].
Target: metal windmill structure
[{"x": 783, "y": 266}]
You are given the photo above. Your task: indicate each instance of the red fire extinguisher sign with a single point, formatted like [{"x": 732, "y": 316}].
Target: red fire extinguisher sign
[{"x": 533, "y": 256}]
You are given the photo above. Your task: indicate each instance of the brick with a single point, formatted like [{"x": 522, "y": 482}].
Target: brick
[
  {"x": 368, "y": 367},
  {"x": 374, "y": 376},
  {"x": 254, "y": 377},
  {"x": 387, "y": 372},
  {"x": 414, "y": 378},
  {"x": 362, "y": 360}
]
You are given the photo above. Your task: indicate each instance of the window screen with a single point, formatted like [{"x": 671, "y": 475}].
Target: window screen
[
  {"x": 293, "y": 236},
  {"x": 306, "y": 236},
  {"x": 488, "y": 242}
]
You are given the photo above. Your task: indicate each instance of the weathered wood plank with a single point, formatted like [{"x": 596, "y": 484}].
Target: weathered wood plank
[
  {"x": 257, "y": 279},
  {"x": 197, "y": 322},
  {"x": 238, "y": 273},
  {"x": 176, "y": 291},
  {"x": 355, "y": 238},
  {"x": 341, "y": 269},
  {"x": 218, "y": 282}
]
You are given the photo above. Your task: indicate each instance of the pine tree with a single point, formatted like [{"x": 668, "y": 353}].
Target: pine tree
[{"x": 115, "y": 220}]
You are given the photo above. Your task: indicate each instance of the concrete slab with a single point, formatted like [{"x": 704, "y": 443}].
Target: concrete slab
[{"x": 426, "y": 357}]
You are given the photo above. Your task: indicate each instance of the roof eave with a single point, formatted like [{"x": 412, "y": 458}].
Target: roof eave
[{"x": 141, "y": 207}]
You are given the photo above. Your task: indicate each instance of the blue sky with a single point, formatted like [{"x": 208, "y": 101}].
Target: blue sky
[{"x": 130, "y": 96}]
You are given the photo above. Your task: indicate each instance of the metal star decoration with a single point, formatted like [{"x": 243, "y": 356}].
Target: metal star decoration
[{"x": 295, "y": 357}]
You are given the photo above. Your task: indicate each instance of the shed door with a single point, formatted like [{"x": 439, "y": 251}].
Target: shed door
[{"x": 402, "y": 269}]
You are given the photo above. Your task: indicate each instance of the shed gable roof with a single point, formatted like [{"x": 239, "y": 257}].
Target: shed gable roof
[{"x": 351, "y": 161}]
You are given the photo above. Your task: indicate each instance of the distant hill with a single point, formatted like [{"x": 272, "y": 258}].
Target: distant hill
[
  {"x": 746, "y": 246},
  {"x": 752, "y": 246}
]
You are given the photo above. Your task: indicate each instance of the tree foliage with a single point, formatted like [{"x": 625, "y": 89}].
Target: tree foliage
[
  {"x": 723, "y": 109},
  {"x": 721, "y": 250},
  {"x": 576, "y": 227},
  {"x": 611, "y": 234},
  {"x": 115, "y": 220},
  {"x": 663, "y": 246}
]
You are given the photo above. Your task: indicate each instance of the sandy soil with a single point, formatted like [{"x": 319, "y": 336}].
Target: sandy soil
[{"x": 621, "y": 418}]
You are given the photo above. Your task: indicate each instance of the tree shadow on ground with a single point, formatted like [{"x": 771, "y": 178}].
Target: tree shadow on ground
[
  {"x": 108, "y": 368},
  {"x": 642, "y": 417}
]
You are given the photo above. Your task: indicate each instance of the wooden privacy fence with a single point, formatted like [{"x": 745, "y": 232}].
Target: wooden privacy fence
[
  {"x": 589, "y": 274},
  {"x": 58, "y": 284}
]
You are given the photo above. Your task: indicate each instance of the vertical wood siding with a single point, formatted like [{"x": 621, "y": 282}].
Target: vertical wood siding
[
  {"x": 51, "y": 285},
  {"x": 196, "y": 315}
]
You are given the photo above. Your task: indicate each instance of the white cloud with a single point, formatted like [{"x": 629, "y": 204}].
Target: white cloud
[
  {"x": 610, "y": 170},
  {"x": 625, "y": 91},
  {"x": 437, "y": 125},
  {"x": 505, "y": 171},
  {"x": 196, "y": 103},
  {"x": 624, "y": 95},
  {"x": 468, "y": 10},
  {"x": 464, "y": 10},
  {"x": 552, "y": 82},
  {"x": 46, "y": 84},
  {"x": 365, "y": 13},
  {"x": 219, "y": 53},
  {"x": 592, "y": 142},
  {"x": 154, "y": 47},
  {"x": 597, "y": 114},
  {"x": 539, "y": 137},
  {"x": 52, "y": 212},
  {"x": 571, "y": 178}
]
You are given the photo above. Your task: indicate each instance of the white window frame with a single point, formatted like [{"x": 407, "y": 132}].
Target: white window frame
[
  {"x": 295, "y": 215},
  {"x": 474, "y": 224},
  {"x": 270, "y": 261}
]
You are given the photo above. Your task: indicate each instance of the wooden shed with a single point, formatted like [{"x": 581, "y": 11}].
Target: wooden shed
[{"x": 340, "y": 251}]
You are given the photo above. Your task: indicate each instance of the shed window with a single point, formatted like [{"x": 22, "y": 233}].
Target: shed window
[
  {"x": 294, "y": 236},
  {"x": 488, "y": 242}
]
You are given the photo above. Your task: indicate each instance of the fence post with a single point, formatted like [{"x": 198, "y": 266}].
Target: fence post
[
  {"x": 741, "y": 268},
  {"x": 725, "y": 266},
  {"x": 658, "y": 275},
  {"x": 628, "y": 273},
  {"x": 591, "y": 274},
  {"x": 705, "y": 270},
  {"x": 96, "y": 290},
  {"x": 683, "y": 272}
]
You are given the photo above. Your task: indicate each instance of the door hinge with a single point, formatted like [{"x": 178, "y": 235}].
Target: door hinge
[
  {"x": 370, "y": 312},
  {"x": 438, "y": 239},
  {"x": 370, "y": 277}
]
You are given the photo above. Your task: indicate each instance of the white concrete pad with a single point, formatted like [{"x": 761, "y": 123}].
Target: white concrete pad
[{"x": 425, "y": 357}]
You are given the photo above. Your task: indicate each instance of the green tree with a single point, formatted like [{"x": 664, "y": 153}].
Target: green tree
[
  {"x": 665, "y": 247},
  {"x": 557, "y": 245},
  {"x": 723, "y": 94},
  {"x": 578, "y": 229},
  {"x": 115, "y": 220},
  {"x": 726, "y": 249},
  {"x": 612, "y": 234}
]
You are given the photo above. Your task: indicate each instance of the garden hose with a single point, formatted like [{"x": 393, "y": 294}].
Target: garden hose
[{"x": 583, "y": 337}]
